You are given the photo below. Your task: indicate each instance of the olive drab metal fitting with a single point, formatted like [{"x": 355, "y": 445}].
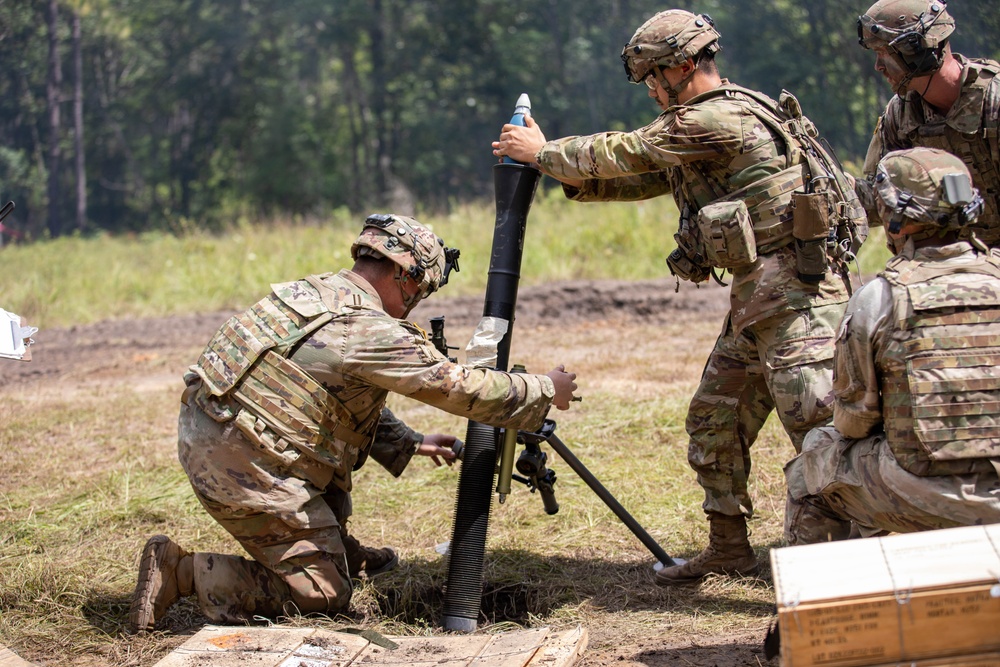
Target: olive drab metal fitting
[
  {"x": 667, "y": 40},
  {"x": 411, "y": 245},
  {"x": 926, "y": 186},
  {"x": 913, "y": 32}
]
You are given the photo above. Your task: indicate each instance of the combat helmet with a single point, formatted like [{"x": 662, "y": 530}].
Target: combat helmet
[
  {"x": 419, "y": 252},
  {"x": 913, "y": 32},
  {"x": 926, "y": 186},
  {"x": 667, "y": 40}
]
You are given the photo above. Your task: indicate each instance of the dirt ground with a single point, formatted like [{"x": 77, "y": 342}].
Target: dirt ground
[
  {"x": 107, "y": 352},
  {"x": 108, "y": 348}
]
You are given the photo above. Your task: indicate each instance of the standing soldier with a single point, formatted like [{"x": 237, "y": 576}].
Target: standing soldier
[
  {"x": 916, "y": 443},
  {"x": 943, "y": 99},
  {"x": 288, "y": 399},
  {"x": 759, "y": 196}
]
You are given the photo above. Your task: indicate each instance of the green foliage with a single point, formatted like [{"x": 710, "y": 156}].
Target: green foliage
[
  {"x": 200, "y": 110},
  {"x": 207, "y": 111}
]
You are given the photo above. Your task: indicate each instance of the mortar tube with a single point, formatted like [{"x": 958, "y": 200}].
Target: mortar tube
[{"x": 514, "y": 188}]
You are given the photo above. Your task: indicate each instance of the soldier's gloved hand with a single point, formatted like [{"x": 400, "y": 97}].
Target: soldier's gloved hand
[
  {"x": 438, "y": 444},
  {"x": 565, "y": 386}
]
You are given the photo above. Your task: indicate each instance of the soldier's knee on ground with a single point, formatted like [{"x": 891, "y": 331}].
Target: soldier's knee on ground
[
  {"x": 810, "y": 520},
  {"x": 317, "y": 582}
]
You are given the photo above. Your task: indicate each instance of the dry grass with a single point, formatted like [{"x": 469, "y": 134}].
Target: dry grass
[{"x": 89, "y": 471}]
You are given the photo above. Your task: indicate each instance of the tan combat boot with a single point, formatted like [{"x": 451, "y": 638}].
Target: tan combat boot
[
  {"x": 166, "y": 574},
  {"x": 366, "y": 559},
  {"x": 728, "y": 552}
]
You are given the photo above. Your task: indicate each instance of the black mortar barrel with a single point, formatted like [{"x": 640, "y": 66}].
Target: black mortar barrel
[{"x": 514, "y": 188}]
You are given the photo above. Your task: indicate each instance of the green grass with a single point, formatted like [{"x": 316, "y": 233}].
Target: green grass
[{"x": 86, "y": 279}]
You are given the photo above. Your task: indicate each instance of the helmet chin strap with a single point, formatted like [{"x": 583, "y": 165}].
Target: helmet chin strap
[
  {"x": 673, "y": 92},
  {"x": 903, "y": 83},
  {"x": 409, "y": 300},
  {"x": 912, "y": 74},
  {"x": 929, "y": 80}
]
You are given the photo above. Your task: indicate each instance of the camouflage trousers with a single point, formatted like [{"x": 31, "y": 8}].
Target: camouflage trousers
[
  {"x": 838, "y": 480},
  {"x": 294, "y": 567},
  {"x": 783, "y": 364}
]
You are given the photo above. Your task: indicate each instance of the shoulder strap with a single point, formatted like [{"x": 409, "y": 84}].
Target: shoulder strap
[{"x": 775, "y": 120}]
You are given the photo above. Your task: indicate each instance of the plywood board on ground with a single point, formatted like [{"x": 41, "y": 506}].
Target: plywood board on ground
[
  {"x": 217, "y": 646},
  {"x": 898, "y": 598},
  {"x": 10, "y": 659}
]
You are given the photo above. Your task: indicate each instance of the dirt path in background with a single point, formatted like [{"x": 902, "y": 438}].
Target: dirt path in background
[
  {"x": 87, "y": 352},
  {"x": 151, "y": 351}
]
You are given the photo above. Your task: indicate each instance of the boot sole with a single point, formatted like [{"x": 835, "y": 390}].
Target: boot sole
[{"x": 140, "y": 615}]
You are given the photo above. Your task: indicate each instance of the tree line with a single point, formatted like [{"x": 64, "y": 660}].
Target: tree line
[{"x": 124, "y": 115}]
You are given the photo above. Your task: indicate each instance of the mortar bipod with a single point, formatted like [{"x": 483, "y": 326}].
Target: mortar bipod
[{"x": 532, "y": 464}]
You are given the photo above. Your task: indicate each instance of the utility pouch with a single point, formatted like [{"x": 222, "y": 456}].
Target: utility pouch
[
  {"x": 727, "y": 234},
  {"x": 810, "y": 229},
  {"x": 685, "y": 268},
  {"x": 687, "y": 261}
]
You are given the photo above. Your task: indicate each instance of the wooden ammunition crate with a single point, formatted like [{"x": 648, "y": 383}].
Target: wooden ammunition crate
[
  {"x": 977, "y": 660},
  {"x": 877, "y": 601}
]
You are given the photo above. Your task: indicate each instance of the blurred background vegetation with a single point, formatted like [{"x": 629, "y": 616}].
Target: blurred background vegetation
[{"x": 183, "y": 115}]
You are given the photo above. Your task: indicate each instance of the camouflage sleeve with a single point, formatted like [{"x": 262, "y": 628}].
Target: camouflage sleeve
[
  {"x": 692, "y": 134},
  {"x": 395, "y": 443},
  {"x": 857, "y": 410},
  {"x": 865, "y": 190},
  {"x": 875, "y": 151},
  {"x": 864, "y": 187},
  {"x": 627, "y": 188},
  {"x": 397, "y": 356}
]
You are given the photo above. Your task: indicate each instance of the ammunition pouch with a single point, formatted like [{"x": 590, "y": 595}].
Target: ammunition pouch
[
  {"x": 727, "y": 234},
  {"x": 811, "y": 230},
  {"x": 686, "y": 268},
  {"x": 687, "y": 261}
]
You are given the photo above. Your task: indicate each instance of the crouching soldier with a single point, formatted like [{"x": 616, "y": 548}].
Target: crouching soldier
[
  {"x": 288, "y": 399},
  {"x": 916, "y": 437}
]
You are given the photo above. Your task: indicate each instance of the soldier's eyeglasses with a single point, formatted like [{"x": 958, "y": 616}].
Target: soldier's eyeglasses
[{"x": 650, "y": 80}]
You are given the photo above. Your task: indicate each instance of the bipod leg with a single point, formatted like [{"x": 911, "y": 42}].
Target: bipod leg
[{"x": 595, "y": 485}]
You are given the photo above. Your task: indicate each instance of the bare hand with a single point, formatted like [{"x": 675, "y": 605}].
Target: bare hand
[
  {"x": 565, "y": 386},
  {"x": 518, "y": 142},
  {"x": 438, "y": 444}
]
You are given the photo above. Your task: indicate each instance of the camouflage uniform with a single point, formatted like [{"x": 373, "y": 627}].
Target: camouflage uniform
[
  {"x": 775, "y": 351},
  {"x": 968, "y": 130},
  {"x": 287, "y": 399},
  {"x": 916, "y": 364},
  {"x": 916, "y": 443}
]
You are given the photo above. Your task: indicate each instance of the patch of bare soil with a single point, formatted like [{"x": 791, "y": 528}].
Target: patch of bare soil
[
  {"x": 732, "y": 651},
  {"x": 118, "y": 347}
]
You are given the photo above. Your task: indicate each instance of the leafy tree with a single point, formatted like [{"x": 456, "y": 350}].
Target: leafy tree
[{"x": 199, "y": 112}]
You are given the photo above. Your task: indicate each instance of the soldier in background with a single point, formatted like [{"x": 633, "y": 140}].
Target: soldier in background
[
  {"x": 288, "y": 399},
  {"x": 916, "y": 443},
  {"x": 943, "y": 100},
  {"x": 759, "y": 196}
]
